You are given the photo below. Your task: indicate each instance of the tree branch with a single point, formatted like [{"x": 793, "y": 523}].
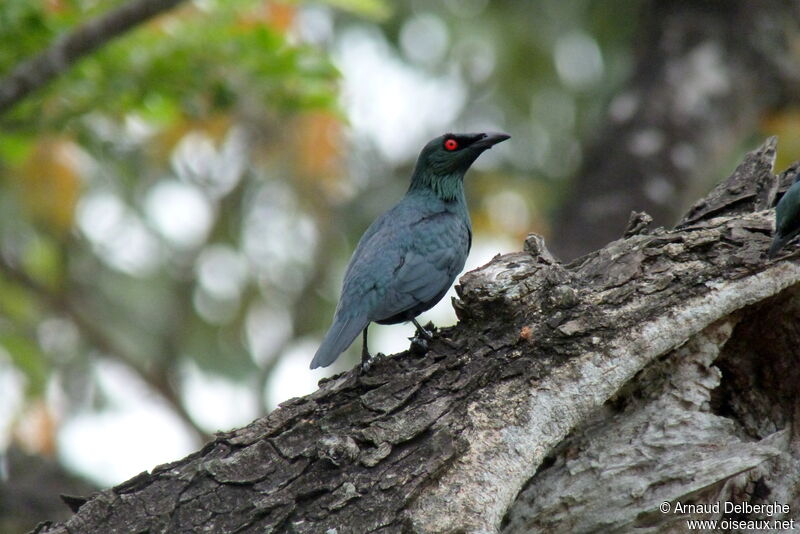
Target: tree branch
[
  {"x": 454, "y": 441},
  {"x": 104, "y": 343},
  {"x": 40, "y": 70}
]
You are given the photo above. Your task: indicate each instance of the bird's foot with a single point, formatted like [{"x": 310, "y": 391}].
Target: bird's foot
[
  {"x": 366, "y": 363},
  {"x": 419, "y": 345},
  {"x": 425, "y": 332},
  {"x": 423, "y": 336},
  {"x": 419, "y": 342}
]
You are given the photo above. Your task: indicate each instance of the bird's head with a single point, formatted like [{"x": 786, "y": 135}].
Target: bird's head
[
  {"x": 446, "y": 158},
  {"x": 452, "y": 153}
]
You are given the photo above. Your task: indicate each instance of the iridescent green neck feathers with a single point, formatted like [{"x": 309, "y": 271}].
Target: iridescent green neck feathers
[{"x": 445, "y": 186}]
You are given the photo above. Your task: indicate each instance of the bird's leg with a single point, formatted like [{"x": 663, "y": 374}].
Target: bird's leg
[
  {"x": 419, "y": 343},
  {"x": 421, "y": 332},
  {"x": 365, "y": 357}
]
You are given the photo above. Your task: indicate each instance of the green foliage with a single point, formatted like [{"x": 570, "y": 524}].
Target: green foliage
[
  {"x": 377, "y": 10},
  {"x": 28, "y": 358},
  {"x": 199, "y": 69},
  {"x": 195, "y": 62},
  {"x": 17, "y": 305},
  {"x": 15, "y": 148},
  {"x": 25, "y": 29}
]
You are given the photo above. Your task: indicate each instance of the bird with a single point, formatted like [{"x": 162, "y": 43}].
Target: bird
[
  {"x": 787, "y": 218},
  {"x": 409, "y": 257}
]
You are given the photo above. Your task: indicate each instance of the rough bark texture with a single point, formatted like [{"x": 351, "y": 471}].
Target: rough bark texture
[
  {"x": 570, "y": 398},
  {"x": 706, "y": 74},
  {"x": 23, "y": 477}
]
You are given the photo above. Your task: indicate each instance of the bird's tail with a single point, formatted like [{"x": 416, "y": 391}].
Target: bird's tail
[
  {"x": 340, "y": 335},
  {"x": 777, "y": 244}
]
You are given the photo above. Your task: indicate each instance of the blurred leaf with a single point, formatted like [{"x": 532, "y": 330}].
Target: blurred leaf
[
  {"x": 218, "y": 350},
  {"x": 36, "y": 429},
  {"x": 159, "y": 110},
  {"x": 27, "y": 358},
  {"x": 42, "y": 261},
  {"x": 317, "y": 145},
  {"x": 49, "y": 182},
  {"x": 377, "y": 10},
  {"x": 15, "y": 148},
  {"x": 216, "y": 127},
  {"x": 280, "y": 16},
  {"x": 23, "y": 23},
  {"x": 16, "y": 303}
]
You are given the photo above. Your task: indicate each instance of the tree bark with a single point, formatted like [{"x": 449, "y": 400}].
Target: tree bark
[
  {"x": 22, "y": 502},
  {"x": 706, "y": 74},
  {"x": 570, "y": 397}
]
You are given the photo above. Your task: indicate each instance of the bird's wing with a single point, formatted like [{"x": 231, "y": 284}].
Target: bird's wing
[
  {"x": 378, "y": 255},
  {"x": 426, "y": 269},
  {"x": 360, "y": 292}
]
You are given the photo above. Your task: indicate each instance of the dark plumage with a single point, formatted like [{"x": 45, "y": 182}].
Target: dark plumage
[
  {"x": 408, "y": 258},
  {"x": 787, "y": 218}
]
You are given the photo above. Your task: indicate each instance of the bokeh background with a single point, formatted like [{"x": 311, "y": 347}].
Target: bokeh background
[{"x": 178, "y": 209}]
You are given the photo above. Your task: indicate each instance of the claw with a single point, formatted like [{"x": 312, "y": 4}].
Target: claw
[
  {"x": 426, "y": 334},
  {"x": 419, "y": 345},
  {"x": 366, "y": 364}
]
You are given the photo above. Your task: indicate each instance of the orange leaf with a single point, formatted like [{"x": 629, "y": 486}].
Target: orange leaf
[
  {"x": 317, "y": 150},
  {"x": 50, "y": 183}
]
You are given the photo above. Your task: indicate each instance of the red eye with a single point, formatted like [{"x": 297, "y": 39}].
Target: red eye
[{"x": 451, "y": 144}]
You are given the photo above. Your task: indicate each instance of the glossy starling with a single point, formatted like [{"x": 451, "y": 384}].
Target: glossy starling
[{"x": 409, "y": 257}]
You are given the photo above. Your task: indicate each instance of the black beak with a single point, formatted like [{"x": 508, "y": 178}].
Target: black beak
[{"x": 488, "y": 140}]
